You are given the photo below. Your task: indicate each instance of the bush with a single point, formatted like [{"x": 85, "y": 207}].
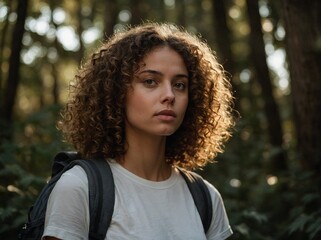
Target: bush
[{"x": 25, "y": 167}]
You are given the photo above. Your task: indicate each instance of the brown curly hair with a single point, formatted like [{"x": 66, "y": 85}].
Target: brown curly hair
[{"x": 93, "y": 119}]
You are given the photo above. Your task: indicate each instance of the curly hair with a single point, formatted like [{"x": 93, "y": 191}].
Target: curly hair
[{"x": 93, "y": 119}]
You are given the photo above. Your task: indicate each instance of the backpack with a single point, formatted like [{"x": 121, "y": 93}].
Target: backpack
[{"x": 102, "y": 196}]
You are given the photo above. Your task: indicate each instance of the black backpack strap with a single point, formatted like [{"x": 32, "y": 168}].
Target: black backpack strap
[
  {"x": 101, "y": 196},
  {"x": 61, "y": 160},
  {"x": 201, "y": 196}
]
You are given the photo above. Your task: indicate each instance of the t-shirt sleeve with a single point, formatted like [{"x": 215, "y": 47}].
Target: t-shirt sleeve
[
  {"x": 67, "y": 214},
  {"x": 220, "y": 228}
]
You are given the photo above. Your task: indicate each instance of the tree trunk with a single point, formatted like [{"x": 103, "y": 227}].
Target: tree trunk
[
  {"x": 162, "y": 11},
  {"x": 80, "y": 30},
  {"x": 54, "y": 71},
  {"x": 302, "y": 24},
  {"x": 224, "y": 43},
  {"x": 181, "y": 15},
  {"x": 222, "y": 35},
  {"x": 137, "y": 13},
  {"x": 2, "y": 44},
  {"x": 110, "y": 17},
  {"x": 274, "y": 127},
  {"x": 14, "y": 67}
]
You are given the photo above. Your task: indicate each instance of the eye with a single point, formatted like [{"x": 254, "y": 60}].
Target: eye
[
  {"x": 150, "y": 82},
  {"x": 180, "y": 85}
]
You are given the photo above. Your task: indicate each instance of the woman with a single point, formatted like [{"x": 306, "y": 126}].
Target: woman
[{"x": 151, "y": 99}]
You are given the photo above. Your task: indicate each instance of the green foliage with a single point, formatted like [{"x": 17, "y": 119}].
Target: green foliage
[
  {"x": 305, "y": 216},
  {"x": 25, "y": 167},
  {"x": 260, "y": 206}
]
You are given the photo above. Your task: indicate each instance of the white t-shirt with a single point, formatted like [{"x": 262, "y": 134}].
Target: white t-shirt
[{"x": 144, "y": 210}]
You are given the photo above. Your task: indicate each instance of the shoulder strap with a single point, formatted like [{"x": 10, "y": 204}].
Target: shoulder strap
[
  {"x": 101, "y": 196},
  {"x": 61, "y": 160},
  {"x": 101, "y": 189},
  {"x": 201, "y": 196}
]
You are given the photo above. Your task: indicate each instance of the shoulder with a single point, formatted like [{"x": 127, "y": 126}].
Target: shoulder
[
  {"x": 72, "y": 180},
  {"x": 220, "y": 227},
  {"x": 216, "y": 198},
  {"x": 67, "y": 213},
  {"x": 215, "y": 194},
  {"x": 193, "y": 176}
]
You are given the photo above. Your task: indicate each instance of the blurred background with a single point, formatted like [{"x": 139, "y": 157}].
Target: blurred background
[{"x": 269, "y": 175}]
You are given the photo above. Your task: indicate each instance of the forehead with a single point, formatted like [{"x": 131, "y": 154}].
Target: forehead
[{"x": 163, "y": 59}]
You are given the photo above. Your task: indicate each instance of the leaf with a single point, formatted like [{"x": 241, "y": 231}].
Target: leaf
[
  {"x": 243, "y": 229},
  {"x": 7, "y": 212},
  {"x": 299, "y": 223},
  {"x": 308, "y": 198},
  {"x": 256, "y": 216},
  {"x": 314, "y": 228}
]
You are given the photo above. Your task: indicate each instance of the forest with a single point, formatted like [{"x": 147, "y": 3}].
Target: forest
[{"x": 269, "y": 174}]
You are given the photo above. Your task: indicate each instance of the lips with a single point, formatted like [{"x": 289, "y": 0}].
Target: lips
[{"x": 166, "y": 112}]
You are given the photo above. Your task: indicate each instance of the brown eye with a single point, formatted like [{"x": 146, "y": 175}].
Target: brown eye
[
  {"x": 180, "y": 86},
  {"x": 150, "y": 82}
]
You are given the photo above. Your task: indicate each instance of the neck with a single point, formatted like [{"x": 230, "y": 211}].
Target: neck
[{"x": 145, "y": 157}]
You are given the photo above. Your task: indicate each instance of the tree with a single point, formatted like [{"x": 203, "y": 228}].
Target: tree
[
  {"x": 110, "y": 17},
  {"x": 14, "y": 67},
  {"x": 303, "y": 33},
  {"x": 181, "y": 13},
  {"x": 56, "y": 87},
  {"x": 223, "y": 39},
  {"x": 3, "y": 42},
  {"x": 274, "y": 127},
  {"x": 79, "y": 29},
  {"x": 137, "y": 11}
]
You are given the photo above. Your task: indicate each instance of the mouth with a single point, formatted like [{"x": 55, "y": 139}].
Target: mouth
[{"x": 166, "y": 112}]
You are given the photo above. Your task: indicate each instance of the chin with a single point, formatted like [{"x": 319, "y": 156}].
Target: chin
[{"x": 167, "y": 133}]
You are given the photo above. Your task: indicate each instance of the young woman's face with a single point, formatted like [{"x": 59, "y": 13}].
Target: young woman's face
[{"x": 157, "y": 101}]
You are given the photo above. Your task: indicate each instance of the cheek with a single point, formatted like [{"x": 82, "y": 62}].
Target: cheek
[
  {"x": 183, "y": 108},
  {"x": 135, "y": 106},
  {"x": 134, "y": 102},
  {"x": 185, "y": 104}
]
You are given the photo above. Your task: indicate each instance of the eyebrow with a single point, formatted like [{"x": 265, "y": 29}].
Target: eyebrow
[{"x": 161, "y": 74}]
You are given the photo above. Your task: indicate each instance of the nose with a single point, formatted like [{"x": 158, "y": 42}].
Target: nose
[{"x": 168, "y": 95}]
